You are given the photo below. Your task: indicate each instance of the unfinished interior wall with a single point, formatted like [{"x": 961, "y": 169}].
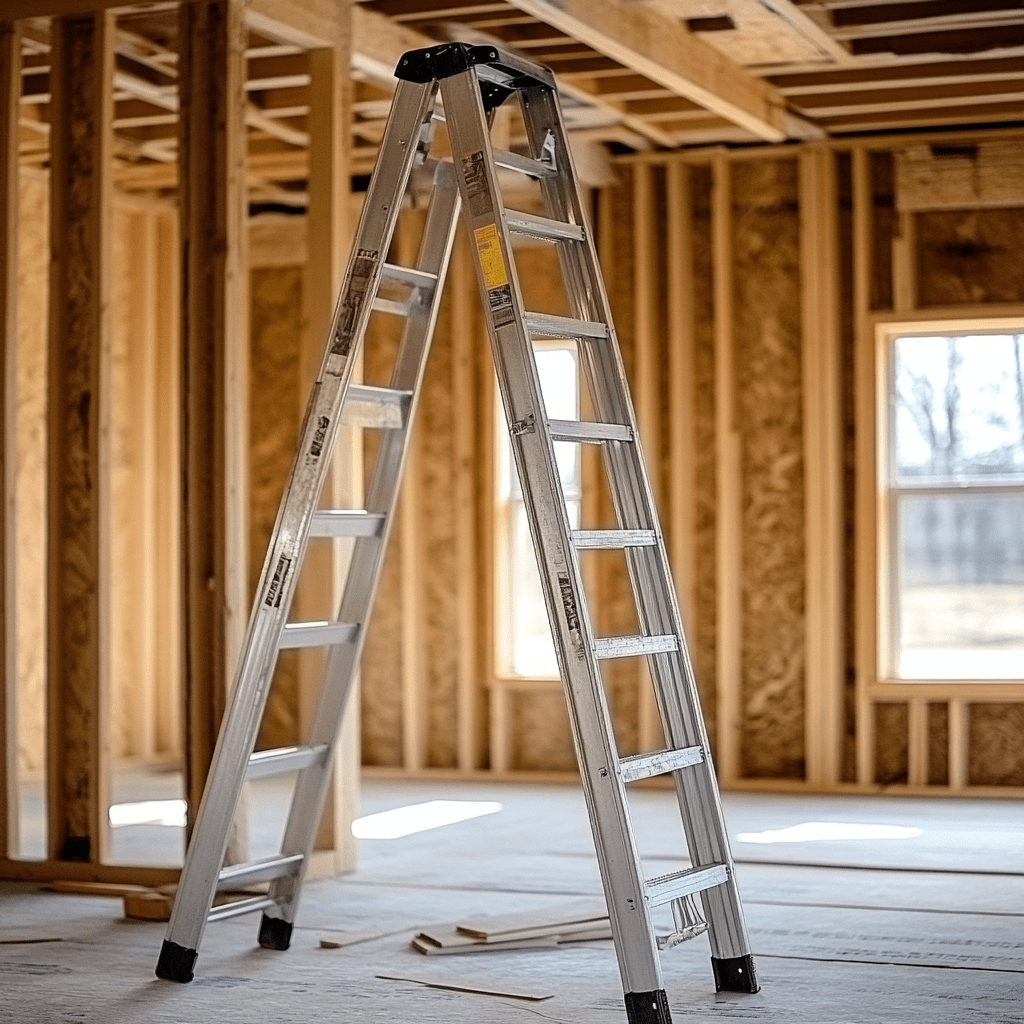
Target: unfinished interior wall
[
  {"x": 784, "y": 265},
  {"x": 145, "y": 716}
]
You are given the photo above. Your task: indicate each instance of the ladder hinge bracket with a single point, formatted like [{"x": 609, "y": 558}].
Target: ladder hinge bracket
[{"x": 527, "y": 426}]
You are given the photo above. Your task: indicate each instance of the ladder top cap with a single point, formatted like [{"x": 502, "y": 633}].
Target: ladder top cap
[{"x": 447, "y": 59}]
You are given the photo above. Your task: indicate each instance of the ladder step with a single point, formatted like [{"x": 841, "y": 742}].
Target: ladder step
[
  {"x": 661, "y": 762},
  {"x": 368, "y": 406},
  {"x": 631, "y": 646},
  {"x": 267, "y": 763},
  {"x": 524, "y": 164},
  {"x": 614, "y": 538},
  {"x": 684, "y": 883},
  {"x": 408, "y": 275},
  {"x": 547, "y": 325},
  {"x": 317, "y": 634},
  {"x": 543, "y": 227},
  {"x": 392, "y": 306},
  {"x": 588, "y": 432},
  {"x": 238, "y": 876},
  {"x": 238, "y": 907},
  {"x": 336, "y": 522}
]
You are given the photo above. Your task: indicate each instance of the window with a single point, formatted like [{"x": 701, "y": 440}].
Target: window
[
  {"x": 954, "y": 484},
  {"x": 525, "y": 648}
]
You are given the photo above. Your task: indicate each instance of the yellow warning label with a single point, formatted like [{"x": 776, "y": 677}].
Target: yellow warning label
[{"x": 489, "y": 251}]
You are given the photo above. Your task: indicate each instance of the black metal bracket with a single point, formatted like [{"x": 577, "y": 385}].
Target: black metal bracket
[{"x": 433, "y": 63}]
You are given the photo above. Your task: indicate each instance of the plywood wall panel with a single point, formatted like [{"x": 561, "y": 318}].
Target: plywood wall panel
[
  {"x": 541, "y": 738},
  {"x": 969, "y": 256},
  {"x": 382, "y": 719},
  {"x": 996, "y": 745},
  {"x": 441, "y": 414},
  {"x": 768, "y": 370},
  {"x": 275, "y": 408}
]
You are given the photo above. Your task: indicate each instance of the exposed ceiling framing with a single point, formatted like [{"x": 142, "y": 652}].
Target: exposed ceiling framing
[{"x": 635, "y": 74}]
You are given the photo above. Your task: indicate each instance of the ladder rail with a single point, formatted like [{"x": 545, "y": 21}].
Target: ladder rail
[
  {"x": 367, "y": 559},
  {"x": 250, "y": 689},
  {"x": 470, "y": 82},
  {"x": 556, "y": 557},
  {"x": 648, "y": 567}
]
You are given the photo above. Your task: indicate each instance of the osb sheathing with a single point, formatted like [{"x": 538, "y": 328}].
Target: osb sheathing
[
  {"x": 969, "y": 256},
  {"x": 766, "y": 326},
  {"x": 996, "y": 745},
  {"x": 275, "y": 410}
]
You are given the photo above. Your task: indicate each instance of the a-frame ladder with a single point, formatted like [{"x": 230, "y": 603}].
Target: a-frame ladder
[{"x": 469, "y": 83}]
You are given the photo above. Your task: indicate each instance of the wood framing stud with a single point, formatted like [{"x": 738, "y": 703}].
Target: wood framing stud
[
  {"x": 214, "y": 373},
  {"x": 81, "y": 107},
  {"x": 10, "y": 96},
  {"x": 728, "y": 488},
  {"x": 822, "y": 431}
]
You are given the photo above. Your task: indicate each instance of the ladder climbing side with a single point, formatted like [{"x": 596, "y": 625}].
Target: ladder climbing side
[
  {"x": 334, "y": 396},
  {"x": 513, "y": 332},
  {"x": 470, "y": 83}
]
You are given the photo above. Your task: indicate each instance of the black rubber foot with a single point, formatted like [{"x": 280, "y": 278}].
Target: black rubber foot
[
  {"x": 275, "y": 933},
  {"x": 735, "y": 974},
  {"x": 176, "y": 963},
  {"x": 648, "y": 1007}
]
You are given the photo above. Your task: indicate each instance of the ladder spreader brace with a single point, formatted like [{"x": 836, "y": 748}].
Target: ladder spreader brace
[{"x": 471, "y": 82}]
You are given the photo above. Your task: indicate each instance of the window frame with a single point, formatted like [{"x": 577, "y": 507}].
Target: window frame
[
  {"x": 505, "y": 506},
  {"x": 888, "y": 495}
]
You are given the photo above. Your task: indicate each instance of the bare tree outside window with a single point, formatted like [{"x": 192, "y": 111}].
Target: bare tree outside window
[{"x": 957, "y": 490}]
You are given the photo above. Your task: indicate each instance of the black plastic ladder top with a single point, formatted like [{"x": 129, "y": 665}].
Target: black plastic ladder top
[{"x": 432, "y": 63}]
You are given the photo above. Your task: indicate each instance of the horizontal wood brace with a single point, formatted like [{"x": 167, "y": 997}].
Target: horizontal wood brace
[
  {"x": 633, "y": 646},
  {"x": 317, "y": 634},
  {"x": 336, "y": 522},
  {"x": 237, "y": 876},
  {"x": 661, "y": 762},
  {"x": 266, "y": 763},
  {"x": 666, "y": 888}
]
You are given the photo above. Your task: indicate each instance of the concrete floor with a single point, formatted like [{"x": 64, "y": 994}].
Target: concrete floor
[{"x": 847, "y": 930}]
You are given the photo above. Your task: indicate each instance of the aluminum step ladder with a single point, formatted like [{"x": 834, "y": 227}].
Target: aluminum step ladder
[{"x": 463, "y": 85}]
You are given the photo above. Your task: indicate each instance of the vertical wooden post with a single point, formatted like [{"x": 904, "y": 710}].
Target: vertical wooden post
[
  {"x": 728, "y": 488},
  {"x": 822, "y": 428},
  {"x": 212, "y": 199},
  {"x": 81, "y": 83},
  {"x": 917, "y": 742},
  {"x": 327, "y": 220},
  {"x": 467, "y": 557},
  {"x": 10, "y": 97},
  {"x": 647, "y": 397},
  {"x": 682, "y": 385},
  {"x": 866, "y": 500},
  {"x": 168, "y": 498},
  {"x": 959, "y": 737}
]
